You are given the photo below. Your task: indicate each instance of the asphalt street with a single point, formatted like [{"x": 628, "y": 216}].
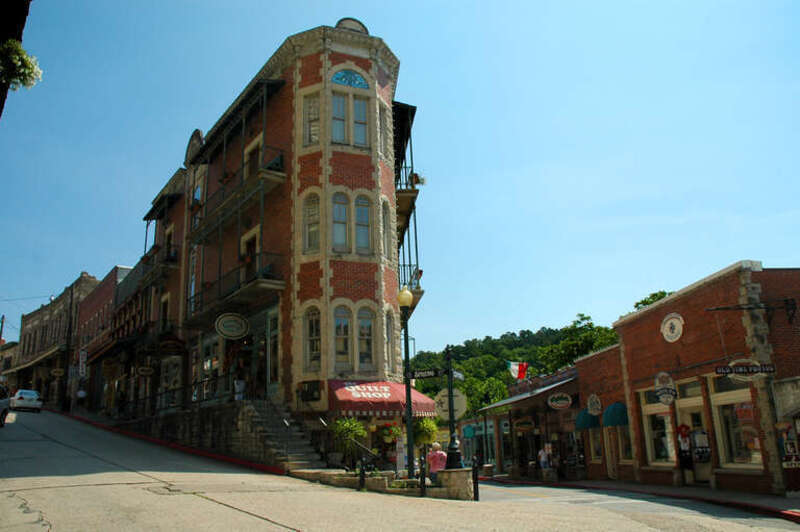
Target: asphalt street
[{"x": 60, "y": 474}]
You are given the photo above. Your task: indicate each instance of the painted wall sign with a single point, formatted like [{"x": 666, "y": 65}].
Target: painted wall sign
[
  {"x": 665, "y": 388},
  {"x": 232, "y": 326},
  {"x": 559, "y": 401},
  {"x": 593, "y": 405},
  {"x": 57, "y": 372},
  {"x": 672, "y": 327},
  {"x": 144, "y": 371},
  {"x": 745, "y": 369}
]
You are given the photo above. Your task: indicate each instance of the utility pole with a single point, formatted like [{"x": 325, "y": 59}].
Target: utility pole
[{"x": 2, "y": 324}]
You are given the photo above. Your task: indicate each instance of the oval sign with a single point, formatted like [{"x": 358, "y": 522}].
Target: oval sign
[
  {"x": 559, "y": 401},
  {"x": 593, "y": 405},
  {"x": 232, "y": 326},
  {"x": 57, "y": 372},
  {"x": 145, "y": 371},
  {"x": 665, "y": 388}
]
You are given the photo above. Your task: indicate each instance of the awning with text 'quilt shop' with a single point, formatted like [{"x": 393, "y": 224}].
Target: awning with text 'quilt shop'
[{"x": 376, "y": 398}]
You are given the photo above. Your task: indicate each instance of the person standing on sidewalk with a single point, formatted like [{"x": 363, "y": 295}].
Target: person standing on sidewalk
[{"x": 436, "y": 460}]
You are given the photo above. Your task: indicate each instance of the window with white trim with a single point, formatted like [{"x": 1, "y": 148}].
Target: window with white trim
[
  {"x": 389, "y": 354},
  {"x": 341, "y": 319},
  {"x": 383, "y": 129},
  {"x": 596, "y": 444},
  {"x": 387, "y": 235},
  {"x": 735, "y": 422},
  {"x": 360, "y": 136},
  {"x": 365, "y": 349},
  {"x": 311, "y": 119},
  {"x": 339, "y": 118},
  {"x": 658, "y": 436},
  {"x": 625, "y": 442},
  {"x": 363, "y": 240},
  {"x": 311, "y": 224},
  {"x": 312, "y": 330},
  {"x": 340, "y": 222}
]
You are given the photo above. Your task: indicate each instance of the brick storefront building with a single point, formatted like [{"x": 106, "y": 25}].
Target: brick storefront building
[{"x": 672, "y": 406}]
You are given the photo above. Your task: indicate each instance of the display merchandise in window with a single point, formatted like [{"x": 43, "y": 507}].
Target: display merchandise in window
[
  {"x": 660, "y": 435},
  {"x": 625, "y": 444},
  {"x": 596, "y": 443},
  {"x": 740, "y": 434}
]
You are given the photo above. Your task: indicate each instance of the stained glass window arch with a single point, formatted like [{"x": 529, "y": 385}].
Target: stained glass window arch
[{"x": 351, "y": 78}]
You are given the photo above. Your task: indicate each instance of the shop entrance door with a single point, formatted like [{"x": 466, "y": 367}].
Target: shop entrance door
[
  {"x": 695, "y": 419},
  {"x": 272, "y": 354}
]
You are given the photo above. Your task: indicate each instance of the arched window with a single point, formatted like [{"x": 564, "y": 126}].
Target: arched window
[
  {"x": 340, "y": 216},
  {"x": 387, "y": 235},
  {"x": 311, "y": 224},
  {"x": 312, "y": 332},
  {"x": 365, "y": 350},
  {"x": 350, "y": 78},
  {"x": 341, "y": 318},
  {"x": 363, "y": 240},
  {"x": 391, "y": 359}
]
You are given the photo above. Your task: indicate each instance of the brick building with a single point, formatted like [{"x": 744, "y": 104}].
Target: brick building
[
  {"x": 702, "y": 387},
  {"x": 9, "y": 354},
  {"x": 47, "y": 338}
]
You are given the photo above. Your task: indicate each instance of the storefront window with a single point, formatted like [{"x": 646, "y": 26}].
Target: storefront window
[
  {"x": 726, "y": 384},
  {"x": 740, "y": 434},
  {"x": 625, "y": 444},
  {"x": 689, "y": 389},
  {"x": 596, "y": 444},
  {"x": 651, "y": 398},
  {"x": 659, "y": 438}
]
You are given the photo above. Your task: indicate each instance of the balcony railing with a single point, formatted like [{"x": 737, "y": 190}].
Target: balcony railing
[
  {"x": 232, "y": 181},
  {"x": 407, "y": 178},
  {"x": 260, "y": 266},
  {"x": 410, "y": 275},
  {"x": 158, "y": 257}
]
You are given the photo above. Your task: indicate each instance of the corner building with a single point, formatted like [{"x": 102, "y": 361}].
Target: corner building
[{"x": 301, "y": 225}]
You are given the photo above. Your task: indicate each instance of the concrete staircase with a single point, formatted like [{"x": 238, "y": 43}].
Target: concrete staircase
[{"x": 282, "y": 435}]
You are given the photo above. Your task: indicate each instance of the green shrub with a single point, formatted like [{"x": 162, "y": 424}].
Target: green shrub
[{"x": 346, "y": 431}]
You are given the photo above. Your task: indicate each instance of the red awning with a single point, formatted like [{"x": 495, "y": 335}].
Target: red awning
[{"x": 381, "y": 398}]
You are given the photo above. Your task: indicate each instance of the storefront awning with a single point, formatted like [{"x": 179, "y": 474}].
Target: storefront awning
[
  {"x": 36, "y": 360},
  {"x": 526, "y": 395},
  {"x": 381, "y": 398},
  {"x": 584, "y": 421},
  {"x": 615, "y": 415}
]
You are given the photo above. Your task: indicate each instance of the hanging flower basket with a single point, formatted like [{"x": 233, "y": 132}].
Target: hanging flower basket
[{"x": 390, "y": 432}]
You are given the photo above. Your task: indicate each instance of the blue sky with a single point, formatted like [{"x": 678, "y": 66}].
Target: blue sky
[{"x": 578, "y": 155}]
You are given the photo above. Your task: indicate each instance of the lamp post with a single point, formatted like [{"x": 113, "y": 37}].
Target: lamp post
[
  {"x": 453, "y": 452},
  {"x": 404, "y": 299}
]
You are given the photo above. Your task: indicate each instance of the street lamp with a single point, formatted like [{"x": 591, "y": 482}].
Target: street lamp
[
  {"x": 453, "y": 452},
  {"x": 404, "y": 299}
]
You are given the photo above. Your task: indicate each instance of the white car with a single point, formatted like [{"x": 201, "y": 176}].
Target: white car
[
  {"x": 4, "y": 402},
  {"x": 26, "y": 400}
]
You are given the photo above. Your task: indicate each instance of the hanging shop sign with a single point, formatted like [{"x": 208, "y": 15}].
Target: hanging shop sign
[
  {"x": 672, "y": 327},
  {"x": 665, "y": 388},
  {"x": 745, "y": 369},
  {"x": 559, "y": 401},
  {"x": 144, "y": 371},
  {"x": 232, "y": 326},
  {"x": 593, "y": 405},
  {"x": 57, "y": 372},
  {"x": 442, "y": 404}
]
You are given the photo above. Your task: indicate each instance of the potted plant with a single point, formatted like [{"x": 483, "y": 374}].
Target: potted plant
[
  {"x": 425, "y": 431},
  {"x": 347, "y": 431},
  {"x": 390, "y": 432}
]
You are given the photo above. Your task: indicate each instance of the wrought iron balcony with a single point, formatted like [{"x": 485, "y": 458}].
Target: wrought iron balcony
[
  {"x": 237, "y": 188},
  {"x": 241, "y": 287},
  {"x": 159, "y": 261}
]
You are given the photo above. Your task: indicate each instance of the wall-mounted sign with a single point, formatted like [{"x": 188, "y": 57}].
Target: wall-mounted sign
[
  {"x": 559, "y": 401},
  {"x": 82, "y": 362},
  {"x": 672, "y": 327},
  {"x": 57, "y": 372},
  {"x": 593, "y": 405},
  {"x": 745, "y": 369},
  {"x": 232, "y": 326},
  {"x": 144, "y": 371},
  {"x": 665, "y": 388}
]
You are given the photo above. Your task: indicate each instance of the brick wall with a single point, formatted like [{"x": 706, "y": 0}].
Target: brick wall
[
  {"x": 337, "y": 58},
  {"x": 309, "y": 170},
  {"x": 353, "y": 280},
  {"x": 309, "y": 285},
  {"x": 390, "y": 288},
  {"x": 387, "y": 181},
  {"x": 310, "y": 70},
  {"x": 777, "y": 285},
  {"x": 352, "y": 170}
]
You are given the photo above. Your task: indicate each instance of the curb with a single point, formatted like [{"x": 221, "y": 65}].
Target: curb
[
  {"x": 789, "y": 515},
  {"x": 172, "y": 445}
]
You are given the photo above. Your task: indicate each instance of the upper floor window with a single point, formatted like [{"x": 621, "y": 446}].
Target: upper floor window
[
  {"x": 360, "y": 121},
  {"x": 341, "y": 318},
  {"x": 362, "y": 225},
  {"x": 313, "y": 339},
  {"x": 365, "y": 319},
  {"x": 390, "y": 356},
  {"x": 387, "y": 236},
  {"x": 350, "y": 78},
  {"x": 383, "y": 131},
  {"x": 339, "y": 118},
  {"x": 311, "y": 224},
  {"x": 340, "y": 215},
  {"x": 311, "y": 120}
]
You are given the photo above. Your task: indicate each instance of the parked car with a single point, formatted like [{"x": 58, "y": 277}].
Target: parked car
[
  {"x": 4, "y": 405},
  {"x": 26, "y": 400}
]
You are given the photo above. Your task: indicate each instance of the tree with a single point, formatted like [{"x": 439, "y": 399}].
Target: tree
[
  {"x": 17, "y": 68},
  {"x": 652, "y": 298}
]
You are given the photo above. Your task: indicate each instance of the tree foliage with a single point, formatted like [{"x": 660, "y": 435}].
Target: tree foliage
[
  {"x": 483, "y": 362},
  {"x": 17, "y": 68},
  {"x": 652, "y": 298}
]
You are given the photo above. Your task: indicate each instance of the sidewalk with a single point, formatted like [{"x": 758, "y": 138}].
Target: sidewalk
[{"x": 772, "y": 505}]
